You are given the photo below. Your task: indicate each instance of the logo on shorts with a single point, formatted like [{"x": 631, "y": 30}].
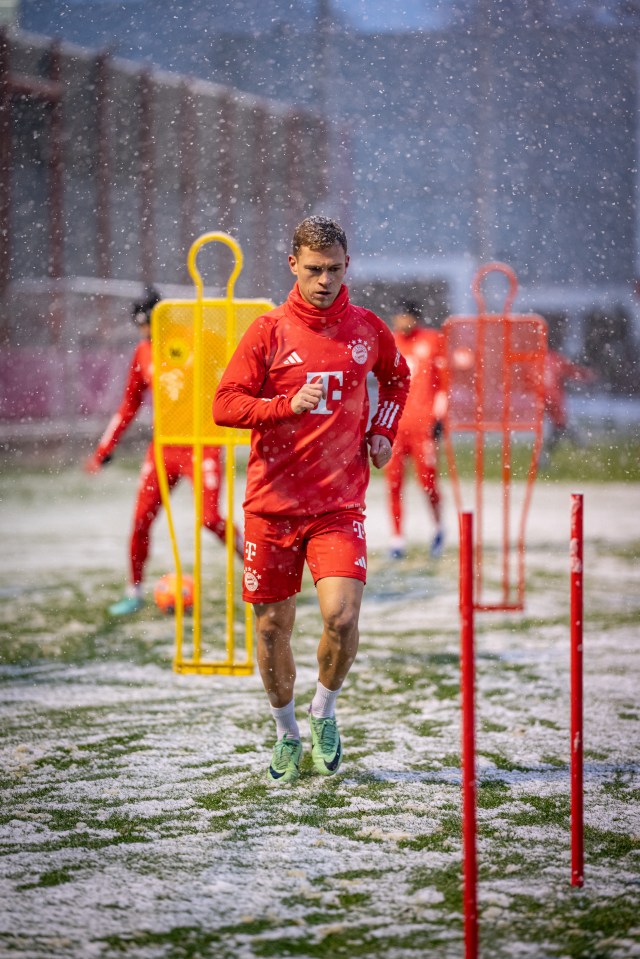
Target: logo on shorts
[
  {"x": 251, "y": 579},
  {"x": 360, "y": 350},
  {"x": 361, "y": 562},
  {"x": 358, "y": 528}
]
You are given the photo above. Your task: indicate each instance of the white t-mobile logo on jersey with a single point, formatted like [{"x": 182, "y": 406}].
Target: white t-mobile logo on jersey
[
  {"x": 328, "y": 394},
  {"x": 249, "y": 551},
  {"x": 358, "y": 528}
]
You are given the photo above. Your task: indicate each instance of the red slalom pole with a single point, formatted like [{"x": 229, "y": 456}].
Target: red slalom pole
[
  {"x": 577, "y": 738},
  {"x": 467, "y": 686}
]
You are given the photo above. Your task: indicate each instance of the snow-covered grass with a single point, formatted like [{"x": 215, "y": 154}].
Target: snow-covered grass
[{"x": 137, "y": 820}]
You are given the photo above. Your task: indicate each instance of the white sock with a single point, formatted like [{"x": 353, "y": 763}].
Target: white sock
[
  {"x": 285, "y": 717},
  {"x": 133, "y": 592},
  {"x": 323, "y": 704}
]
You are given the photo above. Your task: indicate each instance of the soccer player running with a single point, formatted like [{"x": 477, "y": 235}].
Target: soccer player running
[
  {"x": 423, "y": 349},
  {"x": 298, "y": 380},
  {"x": 178, "y": 461}
]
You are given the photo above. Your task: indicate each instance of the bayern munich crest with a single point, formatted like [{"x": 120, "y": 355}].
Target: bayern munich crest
[
  {"x": 359, "y": 351},
  {"x": 251, "y": 579}
]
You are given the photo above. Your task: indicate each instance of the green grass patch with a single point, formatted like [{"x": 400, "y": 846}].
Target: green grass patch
[
  {"x": 609, "y": 843},
  {"x": 603, "y": 461},
  {"x": 573, "y": 926},
  {"x": 502, "y": 762},
  {"x": 53, "y": 877},
  {"x": 541, "y": 811},
  {"x": 492, "y": 793}
]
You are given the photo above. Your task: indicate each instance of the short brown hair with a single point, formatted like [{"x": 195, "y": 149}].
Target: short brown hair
[{"x": 318, "y": 233}]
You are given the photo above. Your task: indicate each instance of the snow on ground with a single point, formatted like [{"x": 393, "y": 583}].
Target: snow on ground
[{"x": 136, "y": 817}]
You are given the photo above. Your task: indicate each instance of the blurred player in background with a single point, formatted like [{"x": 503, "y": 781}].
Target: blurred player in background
[
  {"x": 178, "y": 461},
  {"x": 558, "y": 371},
  {"x": 298, "y": 380},
  {"x": 421, "y": 423}
]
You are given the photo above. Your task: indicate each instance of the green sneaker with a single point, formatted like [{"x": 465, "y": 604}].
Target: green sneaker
[
  {"x": 126, "y": 606},
  {"x": 326, "y": 748},
  {"x": 285, "y": 761}
]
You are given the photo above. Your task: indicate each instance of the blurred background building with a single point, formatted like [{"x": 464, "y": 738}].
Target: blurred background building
[{"x": 443, "y": 133}]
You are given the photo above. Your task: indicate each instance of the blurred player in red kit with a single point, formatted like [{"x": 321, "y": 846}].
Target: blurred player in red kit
[
  {"x": 298, "y": 381},
  {"x": 177, "y": 461},
  {"x": 421, "y": 422},
  {"x": 558, "y": 371}
]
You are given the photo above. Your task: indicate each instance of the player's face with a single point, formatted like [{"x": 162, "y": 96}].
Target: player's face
[{"x": 320, "y": 274}]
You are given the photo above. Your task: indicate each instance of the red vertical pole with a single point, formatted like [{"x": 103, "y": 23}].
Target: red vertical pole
[
  {"x": 480, "y": 449},
  {"x": 467, "y": 682},
  {"x": 577, "y": 739},
  {"x": 507, "y": 387}
]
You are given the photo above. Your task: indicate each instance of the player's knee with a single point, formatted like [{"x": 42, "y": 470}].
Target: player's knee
[
  {"x": 272, "y": 628},
  {"x": 341, "y": 622}
]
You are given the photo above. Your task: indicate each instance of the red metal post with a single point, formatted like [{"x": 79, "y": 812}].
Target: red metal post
[
  {"x": 479, "y": 452},
  {"x": 467, "y": 682},
  {"x": 506, "y": 461},
  {"x": 577, "y": 739}
]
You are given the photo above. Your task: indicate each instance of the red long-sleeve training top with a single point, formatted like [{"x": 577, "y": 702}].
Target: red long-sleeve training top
[
  {"x": 315, "y": 462},
  {"x": 424, "y": 351},
  {"x": 139, "y": 380}
]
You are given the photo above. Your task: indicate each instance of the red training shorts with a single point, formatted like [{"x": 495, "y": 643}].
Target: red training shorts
[{"x": 276, "y": 547}]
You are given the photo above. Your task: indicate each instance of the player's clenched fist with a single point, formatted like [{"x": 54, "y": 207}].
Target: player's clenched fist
[
  {"x": 308, "y": 397},
  {"x": 380, "y": 450}
]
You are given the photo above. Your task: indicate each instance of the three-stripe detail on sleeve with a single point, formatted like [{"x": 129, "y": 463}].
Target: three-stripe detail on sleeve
[{"x": 386, "y": 414}]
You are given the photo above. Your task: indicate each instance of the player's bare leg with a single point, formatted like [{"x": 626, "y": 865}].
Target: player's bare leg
[
  {"x": 340, "y": 599},
  {"x": 274, "y": 626}
]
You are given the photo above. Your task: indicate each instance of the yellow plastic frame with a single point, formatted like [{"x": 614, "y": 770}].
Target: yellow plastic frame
[{"x": 223, "y": 437}]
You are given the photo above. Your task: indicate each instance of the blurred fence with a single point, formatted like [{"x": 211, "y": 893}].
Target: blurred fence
[{"x": 108, "y": 172}]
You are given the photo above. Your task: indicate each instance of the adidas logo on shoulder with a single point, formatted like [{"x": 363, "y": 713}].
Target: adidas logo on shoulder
[{"x": 292, "y": 359}]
